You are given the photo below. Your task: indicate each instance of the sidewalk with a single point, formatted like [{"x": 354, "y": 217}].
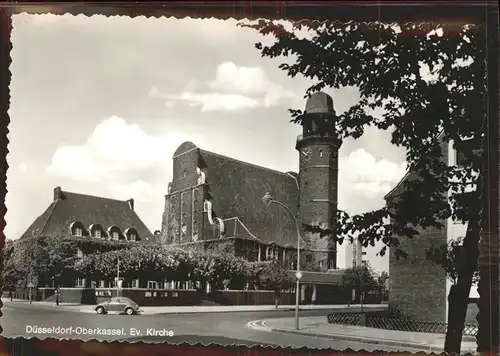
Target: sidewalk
[
  {"x": 319, "y": 327},
  {"x": 195, "y": 308}
]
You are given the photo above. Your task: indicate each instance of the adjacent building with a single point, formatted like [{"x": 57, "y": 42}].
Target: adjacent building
[
  {"x": 81, "y": 215},
  {"x": 88, "y": 217},
  {"x": 417, "y": 286},
  {"x": 354, "y": 254}
]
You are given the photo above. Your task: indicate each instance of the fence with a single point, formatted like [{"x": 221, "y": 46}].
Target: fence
[{"x": 394, "y": 323}]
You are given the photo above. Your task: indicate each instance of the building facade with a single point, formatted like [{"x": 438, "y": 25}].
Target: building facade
[{"x": 418, "y": 286}]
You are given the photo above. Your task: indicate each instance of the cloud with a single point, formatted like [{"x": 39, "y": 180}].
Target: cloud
[
  {"x": 144, "y": 191},
  {"x": 363, "y": 174},
  {"x": 114, "y": 148},
  {"x": 234, "y": 88}
]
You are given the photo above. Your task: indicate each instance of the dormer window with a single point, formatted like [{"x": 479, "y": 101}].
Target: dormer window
[
  {"x": 114, "y": 233},
  {"x": 96, "y": 231},
  {"x": 131, "y": 234},
  {"x": 76, "y": 229}
]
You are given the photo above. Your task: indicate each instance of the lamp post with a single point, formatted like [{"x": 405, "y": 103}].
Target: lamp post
[
  {"x": 268, "y": 199},
  {"x": 118, "y": 278}
]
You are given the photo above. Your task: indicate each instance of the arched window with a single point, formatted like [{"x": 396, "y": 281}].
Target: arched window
[
  {"x": 114, "y": 232},
  {"x": 131, "y": 234},
  {"x": 76, "y": 229},
  {"x": 96, "y": 231}
]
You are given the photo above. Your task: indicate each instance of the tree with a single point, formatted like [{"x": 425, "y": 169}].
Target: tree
[
  {"x": 157, "y": 262},
  {"x": 449, "y": 256},
  {"x": 360, "y": 278},
  {"x": 382, "y": 279},
  {"x": 274, "y": 276},
  {"x": 386, "y": 63},
  {"x": 307, "y": 260}
]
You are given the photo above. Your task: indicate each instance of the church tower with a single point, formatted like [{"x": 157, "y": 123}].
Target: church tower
[{"x": 318, "y": 148}]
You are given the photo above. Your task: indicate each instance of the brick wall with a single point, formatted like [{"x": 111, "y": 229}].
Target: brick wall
[
  {"x": 319, "y": 191},
  {"x": 417, "y": 286}
]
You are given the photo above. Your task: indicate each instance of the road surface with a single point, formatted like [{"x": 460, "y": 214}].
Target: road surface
[{"x": 21, "y": 320}]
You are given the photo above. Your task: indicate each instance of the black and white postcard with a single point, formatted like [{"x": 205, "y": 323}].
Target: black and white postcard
[{"x": 246, "y": 182}]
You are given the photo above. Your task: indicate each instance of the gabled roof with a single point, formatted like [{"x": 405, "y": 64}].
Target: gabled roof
[
  {"x": 68, "y": 207},
  {"x": 406, "y": 177}
]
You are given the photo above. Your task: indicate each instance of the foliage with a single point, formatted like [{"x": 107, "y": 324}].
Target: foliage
[
  {"x": 387, "y": 63},
  {"x": 450, "y": 257},
  {"x": 362, "y": 278},
  {"x": 382, "y": 278},
  {"x": 384, "y": 62},
  {"x": 164, "y": 263},
  {"x": 38, "y": 258},
  {"x": 307, "y": 260},
  {"x": 273, "y": 275}
]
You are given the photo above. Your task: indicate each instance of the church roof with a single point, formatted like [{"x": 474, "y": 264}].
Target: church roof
[{"x": 68, "y": 208}]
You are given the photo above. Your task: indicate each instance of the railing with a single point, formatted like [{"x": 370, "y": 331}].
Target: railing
[
  {"x": 393, "y": 323},
  {"x": 315, "y": 134}
]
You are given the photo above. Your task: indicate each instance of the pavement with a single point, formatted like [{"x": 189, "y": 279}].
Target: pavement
[
  {"x": 317, "y": 326},
  {"x": 21, "y": 319},
  {"x": 196, "y": 308},
  {"x": 222, "y": 325}
]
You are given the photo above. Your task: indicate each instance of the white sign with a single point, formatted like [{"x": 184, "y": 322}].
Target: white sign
[
  {"x": 298, "y": 275},
  {"x": 120, "y": 283},
  {"x": 30, "y": 285}
]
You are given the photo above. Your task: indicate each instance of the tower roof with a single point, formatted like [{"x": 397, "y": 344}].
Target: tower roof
[{"x": 319, "y": 103}]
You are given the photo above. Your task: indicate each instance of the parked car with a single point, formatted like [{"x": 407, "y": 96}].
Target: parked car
[{"x": 120, "y": 305}]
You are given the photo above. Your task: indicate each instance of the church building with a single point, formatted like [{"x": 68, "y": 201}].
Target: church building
[{"x": 214, "y": 197}]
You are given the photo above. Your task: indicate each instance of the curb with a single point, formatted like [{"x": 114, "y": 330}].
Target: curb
[
  {"x": 405, "y": 345},
  {"x": 262, "y": 326}
]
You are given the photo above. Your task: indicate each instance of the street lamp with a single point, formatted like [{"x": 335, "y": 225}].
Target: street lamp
[{"x": 268, "y": 199}]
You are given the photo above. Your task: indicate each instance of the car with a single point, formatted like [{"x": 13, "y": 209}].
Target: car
[{"x": 119, "y": 305}]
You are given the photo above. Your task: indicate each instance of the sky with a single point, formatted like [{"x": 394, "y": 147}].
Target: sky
[{"x": 99, "y": 105}]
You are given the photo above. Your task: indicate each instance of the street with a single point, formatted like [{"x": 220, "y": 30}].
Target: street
[{"x": 205, "y": 328}]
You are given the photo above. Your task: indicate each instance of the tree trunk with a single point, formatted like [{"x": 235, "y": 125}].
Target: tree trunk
[
  {"x": 361, "y": 299},
  {"x": 276, "y": 299},
  {"x": 458, "y": 299}
]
